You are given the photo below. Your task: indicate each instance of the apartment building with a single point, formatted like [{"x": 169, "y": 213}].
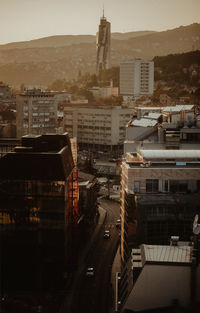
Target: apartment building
[
  {"x": 159, "y": 199},
  {"x": 36, "y": 112},
  {"x": 136, "y": 77},
  {"x": 160, "y": 195},
  {"x": 97, "y": 127}
]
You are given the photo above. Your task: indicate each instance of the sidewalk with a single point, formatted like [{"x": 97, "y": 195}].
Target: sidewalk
[
  {"x": 95, "y": 232},
  {"x": 116, "y": 267}
]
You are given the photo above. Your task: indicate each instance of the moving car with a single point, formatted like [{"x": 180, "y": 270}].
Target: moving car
[
  {"x": 90, "y": 272},
  {"x": 118, "y": 223},
  {"x": 106, "y": 234}
]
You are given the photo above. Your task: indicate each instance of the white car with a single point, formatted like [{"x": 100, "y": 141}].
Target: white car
[
  {"x": 90, "y": 272},
  {"x": 118, "y": 223},
  {"x": 106, "y": 234}
]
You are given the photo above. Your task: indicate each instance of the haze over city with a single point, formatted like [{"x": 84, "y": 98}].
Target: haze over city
[
  {"x": 26, "y": 20},
  {"x": 99, "y": 156}
]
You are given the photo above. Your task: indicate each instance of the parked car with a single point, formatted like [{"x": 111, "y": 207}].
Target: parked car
[{"x": 112, "y": 160}]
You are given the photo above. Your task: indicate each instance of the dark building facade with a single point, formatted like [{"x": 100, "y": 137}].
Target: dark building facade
[
  {"x": 88, "y": 193},
  {"x": 36, "y": 214}
]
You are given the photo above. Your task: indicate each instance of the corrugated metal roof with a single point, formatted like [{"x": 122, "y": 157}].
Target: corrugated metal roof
[
  {"x": 178, "y": 108},
  {"x": 152, "y": 115},
  {"x": 144, "y": 122},
  {"x": 149, "y": 108},
  {"x": 170, "y": 154},
  {"x": 178, "y": 254}
]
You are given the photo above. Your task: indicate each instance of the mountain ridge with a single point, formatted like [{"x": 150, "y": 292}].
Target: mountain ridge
[
  {"x": 67, "y": 40},
  {"x": 43, "y": 65}
]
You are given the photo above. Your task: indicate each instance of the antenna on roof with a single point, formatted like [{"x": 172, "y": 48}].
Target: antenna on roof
[
  {"x": 103, "y": 11},
  {"x": 196, "y": 226}
]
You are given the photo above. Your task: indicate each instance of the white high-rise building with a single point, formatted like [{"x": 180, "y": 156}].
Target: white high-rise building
[{"x": 136, "y": 77}]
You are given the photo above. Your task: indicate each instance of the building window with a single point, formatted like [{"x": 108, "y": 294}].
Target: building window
[
  {"x": 165, "y": 186},
  {"x": 152, "y": 185},
  {"x": 136, "y": 186},
  {"x": 178, "y": 186}
]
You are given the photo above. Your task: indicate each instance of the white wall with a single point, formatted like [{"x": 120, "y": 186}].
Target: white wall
[
  {"x": 158, "y": 285},
  {"x": 130, "y": 77},
  {"x": 133, "y": 146},
  {"x": 136, "y": 133}
]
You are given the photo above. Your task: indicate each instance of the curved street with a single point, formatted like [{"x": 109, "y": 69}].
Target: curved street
[{"x": 94, "y": 294}]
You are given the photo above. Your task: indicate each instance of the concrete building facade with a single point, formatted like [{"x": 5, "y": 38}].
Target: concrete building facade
[
  {"x": 159, "y": 199},
  {"x": 36, "y": 113},
  {"x": 157, "y": 187},
  {"x": 97, "y": 126},
  {"x": 136, "y": 77}
]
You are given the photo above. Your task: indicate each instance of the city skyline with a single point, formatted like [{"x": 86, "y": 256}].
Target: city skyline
[{"x": 27, "y": 20}]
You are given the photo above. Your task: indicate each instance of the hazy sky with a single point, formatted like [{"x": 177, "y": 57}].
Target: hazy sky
[{"x": 30, "y": 19}]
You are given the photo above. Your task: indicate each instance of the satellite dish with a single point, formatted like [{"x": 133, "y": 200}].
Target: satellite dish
[{"x": 196, "y": 226}]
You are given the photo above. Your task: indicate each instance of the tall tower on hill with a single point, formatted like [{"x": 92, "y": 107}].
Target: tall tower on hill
[{"x": 103, "y": 47}]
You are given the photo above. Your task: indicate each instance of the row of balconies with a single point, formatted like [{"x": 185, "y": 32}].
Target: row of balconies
[
  {"x": 96, "y": 136},
  {"x": 82, "y": 122},
  {"x": 92, "y": 131}
]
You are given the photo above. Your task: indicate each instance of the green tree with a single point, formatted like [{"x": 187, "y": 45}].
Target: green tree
[{"x": 58, "y": 85}]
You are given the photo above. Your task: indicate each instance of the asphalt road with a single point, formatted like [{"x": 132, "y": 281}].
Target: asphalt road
[{"x": 94, "y": 294}]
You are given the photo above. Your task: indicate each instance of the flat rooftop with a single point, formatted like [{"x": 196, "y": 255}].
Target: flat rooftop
[
  {"x": 167, "y": 254},
  {"x": 170, "y": 154},
  {"x": 144, "y": 122},
  {"x": 178, "y": 108}
]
